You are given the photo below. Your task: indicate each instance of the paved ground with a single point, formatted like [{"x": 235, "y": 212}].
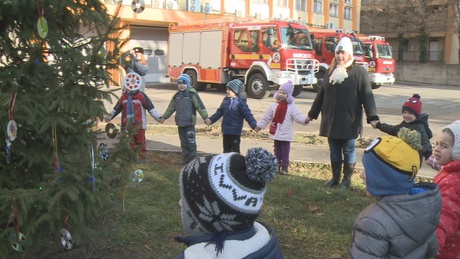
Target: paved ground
[{"x": 440, "y": 101}]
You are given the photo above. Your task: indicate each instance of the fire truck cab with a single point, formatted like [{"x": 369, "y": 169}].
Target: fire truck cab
[
  {"x": 264, "y": 54},
  {"x": 377, "y": 53},
  {"x": 324, "y": 42}
]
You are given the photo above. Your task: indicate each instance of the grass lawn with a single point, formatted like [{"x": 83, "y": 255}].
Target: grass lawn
[{"x": 311, "y": 221}]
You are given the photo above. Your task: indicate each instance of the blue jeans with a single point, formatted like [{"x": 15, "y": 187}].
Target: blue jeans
[{"x": 347, "y": 146}]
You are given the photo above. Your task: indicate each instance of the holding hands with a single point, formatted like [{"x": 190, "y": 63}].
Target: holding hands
[
  {"x": 374, "y": 124},
  {"x": 208, "y": 122}
]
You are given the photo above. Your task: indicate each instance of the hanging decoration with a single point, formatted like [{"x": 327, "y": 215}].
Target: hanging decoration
[
  {"x": 66, "y": 237},
  {"x": 11, "y": 128},
  {"x": 42, "y": 24},
  {"x": 111, "y": 130},
  {"x": 103, "y": 151},
  {"x": 138, "y": 6}
]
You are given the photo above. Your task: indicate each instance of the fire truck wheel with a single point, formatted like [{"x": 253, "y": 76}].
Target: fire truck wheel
[
  {"x": 193, "y": 81},
  {"x": 297, "y": 90},
  {"x": 257, "y": 86}
]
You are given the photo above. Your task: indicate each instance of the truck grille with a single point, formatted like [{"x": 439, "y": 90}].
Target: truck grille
[{"x": 301, "y": 66}]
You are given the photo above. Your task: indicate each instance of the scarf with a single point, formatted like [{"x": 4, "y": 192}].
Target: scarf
[
  {"x": 130, "y": 109},
  {"x": 280, "y": 114},
  {"x": 340, "y": 73}
]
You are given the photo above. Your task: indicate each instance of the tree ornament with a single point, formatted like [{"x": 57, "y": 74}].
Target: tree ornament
[
  {"x": 111, "y": 130},
  {"x": 103, "y": 151},
  {"x": 138, "y": 6}
]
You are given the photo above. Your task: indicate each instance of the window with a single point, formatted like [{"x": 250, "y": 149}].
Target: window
[
  {"x": 259, "y": 1},
  {"x": 333, "y": 10},
  {"x": 301, "y": 5},
  {"x": 281, "y": 3},
  {"x": 347, "y": 13},
  {"x": 241, "y": 40},
  {"x": 318, "y": 7},
  {"x": 348, "y": 2}
]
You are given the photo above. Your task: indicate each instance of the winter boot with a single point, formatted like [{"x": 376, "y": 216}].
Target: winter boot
[
  {"x": 347, "y": 173},
  {"x": 336, "y": 169},
  {"x": 284, "y": 170}
]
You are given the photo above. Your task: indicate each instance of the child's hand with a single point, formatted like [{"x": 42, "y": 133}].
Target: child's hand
[
  {"x": 208, "y": 122},
  {"x": 161, "y": 120},
  {"x": 107, "y": 118},
  {"x": 257, "y": 129}
]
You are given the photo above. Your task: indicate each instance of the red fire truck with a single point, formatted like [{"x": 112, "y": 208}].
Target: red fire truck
[
  {"x": 378, "y": 55},
  {"x": 265, "y": 54},
  {"x": 325, "y": 41}
]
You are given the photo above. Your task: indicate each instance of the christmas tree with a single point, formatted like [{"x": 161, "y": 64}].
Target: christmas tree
[{"x": 55, "y": 62}]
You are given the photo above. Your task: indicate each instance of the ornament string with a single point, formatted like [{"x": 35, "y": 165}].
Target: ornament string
[
  {"x": 91, "y": 155},
  {"x": 65, "y": 216},
  {"x": 40, "y": 12},
  {"x": 11, "y": 103},
  {"x": 15, "y": 217},
  {"x": 56, "y": 158}
]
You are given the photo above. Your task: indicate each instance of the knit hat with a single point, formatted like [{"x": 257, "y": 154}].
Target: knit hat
[
  {"x": 288, "y": 87},
  {"x": 346, "y": 45},
  {"x": 139, "y": 49},
  {"x": 184, "y": 78},
  {"x": 236, "y": 85},
  {"x": 455, "y": 128},
  {"x": 413, "y": 105},
  {"x": 133, "y": 81},
  {"x": 391, "y": 163},
  {"x": 224, "y": 193}
]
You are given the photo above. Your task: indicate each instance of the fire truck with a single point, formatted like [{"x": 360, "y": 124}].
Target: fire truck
[
  {"x": 264, "y": 54},
  {"x": 378, "y": 55},
  {"x": 325, "y": 41}
]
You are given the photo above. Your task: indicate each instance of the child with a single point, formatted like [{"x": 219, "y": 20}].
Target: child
[
  {"x": 281, "y": 117},
  {"x": 186, "y": 102},
  {"x": 414, "y": 119},
  {"x": 221, "y": 197},
  {"x": 402, "y": 222},
  {"x": 447, "y": 154},
  {"x": 134, "y": 61},
  {"x": 234, "y": 110},
  {"x": 133, "y": 104}
]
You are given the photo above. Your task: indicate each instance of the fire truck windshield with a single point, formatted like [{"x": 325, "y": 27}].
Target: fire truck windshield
[
  {"x": 357, "y": 47},
  {"x": 383, "y": 51},
  {"x": 295, "y": 38}
]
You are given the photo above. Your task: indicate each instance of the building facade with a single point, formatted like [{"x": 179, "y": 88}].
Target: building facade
[
  {"x": 438, "y": 16},
  {"x": 146, "y": 22}
]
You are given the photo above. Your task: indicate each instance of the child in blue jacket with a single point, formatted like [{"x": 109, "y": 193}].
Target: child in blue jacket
[{"x": 234, "y": 110}]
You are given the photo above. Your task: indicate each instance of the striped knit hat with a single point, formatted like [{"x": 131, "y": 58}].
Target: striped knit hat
[
  {"x": 184, "y": 78},
  {"x": 224, "y": 193},
  {"x": 236, "y": 85}
]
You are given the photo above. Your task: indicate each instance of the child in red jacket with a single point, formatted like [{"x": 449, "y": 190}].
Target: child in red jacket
[
  {"x": 447, "y": 154},
  {"x": 133, "y": 103}
]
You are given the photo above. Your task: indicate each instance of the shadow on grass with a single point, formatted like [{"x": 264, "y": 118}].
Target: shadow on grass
[{"x": 311, "y": 221}]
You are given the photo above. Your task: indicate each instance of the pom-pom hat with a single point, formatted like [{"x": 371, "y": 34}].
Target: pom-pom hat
[
  {"x": 235, "y": 85},
  {"x": 225, "y": 192},
  {"x": 346, "y": 45},
  {"x": 391, "y": 163},
  {"x": 455, "y": 128},
  {"x": 413, "y": 105},
  {"x": 288, "y": 87},
  {"x": 184, "y": 78}
]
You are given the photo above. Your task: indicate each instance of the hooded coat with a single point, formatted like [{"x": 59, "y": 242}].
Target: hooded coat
[
  {"x": 449, "y": 224},
  {"x": 399, "y": 226}
]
